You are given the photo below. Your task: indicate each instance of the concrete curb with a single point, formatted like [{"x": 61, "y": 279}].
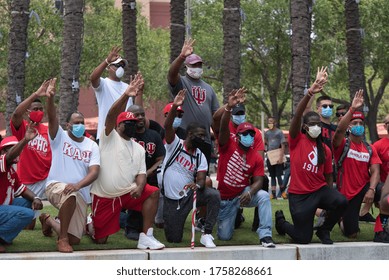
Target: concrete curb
[{"x": 338, "y": 251}]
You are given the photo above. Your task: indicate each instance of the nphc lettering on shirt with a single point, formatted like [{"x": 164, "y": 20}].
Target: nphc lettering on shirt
[
  {"x": 235, "y": 174},
  {"x": 39, "y": 144},
  {"x": 359, "y": 156},
  {"x": 76, "y": 153},
  {"x": 186, "y": 163},
  {"x": 199, "y": 94}
]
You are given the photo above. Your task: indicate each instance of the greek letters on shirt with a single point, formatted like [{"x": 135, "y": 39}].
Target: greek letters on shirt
[
  {"x": 75, "y": 153},
  {"x": 39, "y": 144},
  {"x": 236, "y": 171},
  {"x": 311, "y": 166},
  {"x": 150, "y": 147},
  {"x": 199, "y": 95}
]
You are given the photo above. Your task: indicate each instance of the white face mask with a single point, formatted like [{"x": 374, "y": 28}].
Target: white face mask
[
  {"x": 194, "y": 73},
  {"x": 119, "y": 72},
  {"x": 314, "y": 131}
]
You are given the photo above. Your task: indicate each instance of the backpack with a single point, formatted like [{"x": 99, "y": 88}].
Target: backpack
[
  {"x": 161, "y": 169},
  {"x": 339, "y": 164}
]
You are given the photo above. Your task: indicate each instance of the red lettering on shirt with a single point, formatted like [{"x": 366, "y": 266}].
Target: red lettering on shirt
[{"x": 76, "y": 153}]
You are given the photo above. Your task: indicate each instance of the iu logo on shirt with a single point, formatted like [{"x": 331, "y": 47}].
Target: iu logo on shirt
[{"x": 199, "y": 95}]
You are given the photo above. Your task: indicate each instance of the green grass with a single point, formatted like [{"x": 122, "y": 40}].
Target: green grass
[{"x": 34, "y": 241}]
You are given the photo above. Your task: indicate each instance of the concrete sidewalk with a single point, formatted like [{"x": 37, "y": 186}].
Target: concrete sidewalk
[{"x": 338, "y": 251}]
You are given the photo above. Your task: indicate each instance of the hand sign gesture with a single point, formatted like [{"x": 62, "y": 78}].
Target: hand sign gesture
[
  {"x": 187, "y": 48},
  {"x": 31, "y": 133},
  {"x": 50, "y": 91},
  {"x": 241, "y": 94},
  {"x": 180, "y": 97},
  {"x": 358, "y": 99},
  {"x": 43, "y": 88},
  {"x": 134, "y": 85},
  {"x": 114, "y": 54},
  {"x": 321, "y": 80}
]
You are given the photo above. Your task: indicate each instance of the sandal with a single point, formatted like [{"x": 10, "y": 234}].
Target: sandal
[
  {"x": 46, "y": 229},
  {"x": 63, "y": 246}
]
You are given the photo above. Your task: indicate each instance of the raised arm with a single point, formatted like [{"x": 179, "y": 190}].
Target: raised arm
[
  {"x": 120, "y": 104},
  {"x": 317, "y": 86},
  {"x": 344, "y": 122},
  {"x": 169, "y": 130},
  {"x": 17, "y": 115},
  {"x": 174, "y": 70},
  {"x": 51, "y": 109},
  {"x": 96, "y": 74}
]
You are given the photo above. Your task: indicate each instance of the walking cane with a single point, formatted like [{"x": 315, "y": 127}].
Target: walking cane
[{"x": 192, "y": 243}]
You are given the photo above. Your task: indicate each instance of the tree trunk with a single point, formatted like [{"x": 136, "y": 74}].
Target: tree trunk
[
  {"x": 231, "y": 47},
  {"x": 73, "y": 32},
  {"x": 16, "y": 56},
  {"x": 177, "y": 28},
  {"x": 300, "y": 14},
  {"x": 129, "y": 37}
]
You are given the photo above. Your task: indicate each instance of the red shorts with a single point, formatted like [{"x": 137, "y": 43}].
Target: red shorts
[{"x": 106, "y": 211}]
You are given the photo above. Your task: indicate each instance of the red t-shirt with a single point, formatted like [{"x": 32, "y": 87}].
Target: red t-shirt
[
  {"x": 355, "y": 167},
  {"x": 258, "y": 141},
  {"x": 382, "y": 147},
  {"x": 10, "y": 185},
  {"x": 234, "y": 171},
  {"x": 306, "y": 175},
  {"x": 35, "y": 159}
]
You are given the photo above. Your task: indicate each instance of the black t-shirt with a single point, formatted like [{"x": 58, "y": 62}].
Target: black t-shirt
[
  {"x": 157, "y": 127},
  {"x": 327, "y": 133},
  {"x": 151, "y": 141}
]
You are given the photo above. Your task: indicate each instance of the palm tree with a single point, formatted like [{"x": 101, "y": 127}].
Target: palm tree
[
  {"x": 73, "y": 32},
  {"x": 17, "y": 55},
  {"x": 301, "y": 21},
  {"x": 177, "y": 27},
  {"x": 130, "y": 36},
  {"x": 231, "y": 47}
]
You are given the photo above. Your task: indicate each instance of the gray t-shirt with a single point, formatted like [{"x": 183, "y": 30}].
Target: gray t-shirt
[
  {"x": 200, "y": 102},
  {"x": 274, "y": 139}
]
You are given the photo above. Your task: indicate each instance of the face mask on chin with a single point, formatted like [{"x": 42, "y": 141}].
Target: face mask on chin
[{"x": 194, "y": 73}]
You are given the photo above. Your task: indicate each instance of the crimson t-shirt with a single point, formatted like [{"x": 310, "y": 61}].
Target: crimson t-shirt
[
  {"x": 35, "y": 159},
  {"x": 355, "y": 167},
  {"x": 306, "y": 175},
  {"x": 382, "y": 147},
  {"x": 234, "y": 171},
  {"x": 10, "y": 185}
]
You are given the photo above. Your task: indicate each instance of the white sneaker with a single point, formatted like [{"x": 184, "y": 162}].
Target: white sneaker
[
  {"x": 207, "y": 241},
  {"x": 148, "y": 241}
]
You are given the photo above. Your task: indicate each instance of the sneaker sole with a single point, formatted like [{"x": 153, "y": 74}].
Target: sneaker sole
[{"x": 142, "y": 247}]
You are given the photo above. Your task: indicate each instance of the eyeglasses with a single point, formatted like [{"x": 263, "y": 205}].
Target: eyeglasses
[
  {"x": 326, "y": 105},
  {"x": 245, "y": 133},
  {"x": 340, "y": 114}
]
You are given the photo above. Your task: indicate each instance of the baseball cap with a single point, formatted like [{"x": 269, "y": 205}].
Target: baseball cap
[
  {"x": 244, "y": 127},
  {"x": 238, "y": 108},
  {"x": 118, "y": 60},
  {"x": 358, "y": 115},
  {"x": 125, "y": 116},
  {"x": 169, "y": 106},
  {"x": 8, "y": 141},
  {"x": 192, "y": 59}
]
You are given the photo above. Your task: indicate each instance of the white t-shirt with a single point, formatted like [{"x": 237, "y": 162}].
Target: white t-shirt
[
  {"x": 121, "y": 162},
  {"x": 71, "y": 160},
  {"x": 106, "y": 94},
  {"x": 181, "y": 172}
]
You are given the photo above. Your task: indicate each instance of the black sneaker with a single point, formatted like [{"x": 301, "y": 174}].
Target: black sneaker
[
  {"x": 280, "y": 219},
  {"x": 267, "y": 242},
  {"x": 367, "y": 218},
  {"x": 382, "y": 237},
  {"x": 324, "y": 236}
]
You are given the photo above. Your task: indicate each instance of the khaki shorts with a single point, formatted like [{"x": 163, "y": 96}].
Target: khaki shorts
[{"x": 54, "y": 193}]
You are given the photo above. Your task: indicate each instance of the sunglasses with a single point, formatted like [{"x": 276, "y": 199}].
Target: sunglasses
[
  {"x": 340, "y": 114},
  {"x": 245, "y": 133},
  {"x": 118, "y": 65},
  {"x": 327, "y": 105}
]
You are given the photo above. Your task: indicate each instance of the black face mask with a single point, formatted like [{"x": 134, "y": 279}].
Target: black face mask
[
  {"x": 129, "y": 128},
  {"x": 197, "y": 142}
]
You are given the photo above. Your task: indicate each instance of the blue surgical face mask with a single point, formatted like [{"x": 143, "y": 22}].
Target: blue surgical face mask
[
  {"x": 358, "y": 130},
  {"x": 247, "y": 140},
  {"x": 177, "y": 122},
  {"x": 238, "y": 119},
  {"x": 326, "y": 112},
  {"x": 78, "y": 130}
]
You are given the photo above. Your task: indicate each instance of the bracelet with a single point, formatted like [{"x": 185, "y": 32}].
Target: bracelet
[
  {"x": 373, "y": 189},
  {"x": 198, "y": 186},
  {"x": 225, "y": 108},
  {"x": 37, "y": 197},
  {"x": 249, "y": 194},
  {"x": 106, "y": 61}
]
